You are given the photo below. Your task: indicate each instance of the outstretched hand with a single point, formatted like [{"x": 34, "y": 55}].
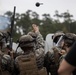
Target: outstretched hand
[{"x": 35, "y": 28}]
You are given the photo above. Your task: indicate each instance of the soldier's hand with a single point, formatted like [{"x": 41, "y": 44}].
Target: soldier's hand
[
  {"x": 35, "y": 28},
  {"x": 62, "y": 52}
]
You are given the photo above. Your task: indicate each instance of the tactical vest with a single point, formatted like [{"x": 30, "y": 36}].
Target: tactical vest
[{"x": 27, "y": 65}]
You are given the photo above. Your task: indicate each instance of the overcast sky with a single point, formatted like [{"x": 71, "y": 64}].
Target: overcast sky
[{"x": 49, "y": 6}]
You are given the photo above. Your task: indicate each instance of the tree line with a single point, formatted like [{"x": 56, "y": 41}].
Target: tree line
[{"x": 47, "y": 24}]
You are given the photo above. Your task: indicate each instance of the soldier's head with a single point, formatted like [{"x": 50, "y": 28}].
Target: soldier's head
[
  {"x": 57, "y": 35},
  {"x": 26, "y": 42},
  {"x": 2, "y": 40},
  {"x": 69, "y": 39},
  {"x": 6, "y": 60}
]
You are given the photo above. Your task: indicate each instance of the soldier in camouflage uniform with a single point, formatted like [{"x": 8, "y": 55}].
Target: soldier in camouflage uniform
[
  {"x": 39, "y": 44},
  {"x": 60, "y": 51},
  {"x": 51, "y": 61},
  {"x": 69, "y": 39},
  {"x": 5, "y": 59},
  {"x": 26, "y": 64}
]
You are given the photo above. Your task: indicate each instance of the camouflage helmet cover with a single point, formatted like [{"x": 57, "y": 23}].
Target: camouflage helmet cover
[
  {"x": 26, "y": 41},
  {"x": 69, "y": 38},
  {"x": 33, "y": 34},
  {"x": 6, "y": 59}
]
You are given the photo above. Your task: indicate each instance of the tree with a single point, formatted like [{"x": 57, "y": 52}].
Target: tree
[
  {"x": 57, "y": 15},
  {"x": 67, "y": 16}
]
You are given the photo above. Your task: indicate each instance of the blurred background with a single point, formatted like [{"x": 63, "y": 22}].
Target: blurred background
[{"x": 50, "y": 15}]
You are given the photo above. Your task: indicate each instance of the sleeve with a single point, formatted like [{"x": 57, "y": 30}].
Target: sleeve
[
  {"x": 71, "y": 56},
  {"x": 40, "y": 40}
]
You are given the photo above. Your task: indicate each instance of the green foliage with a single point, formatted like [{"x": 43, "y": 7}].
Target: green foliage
[{"x": 47, "y": 24}]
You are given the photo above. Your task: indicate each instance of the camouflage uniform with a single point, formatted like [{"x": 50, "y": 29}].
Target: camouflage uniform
[
  {"x": 55, "y": 59},
  {"x": 27, "y": 63},
  {"x": 5, "y": 59},
  {"x": 39, "y": 48},
  {"x": 69, "y": 39},
  {"x": 52, "y": 58},
  {"x": 39, "y": 39}
]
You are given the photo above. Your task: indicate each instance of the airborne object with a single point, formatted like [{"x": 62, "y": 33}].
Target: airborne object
[{"x": 38, "y": 4}]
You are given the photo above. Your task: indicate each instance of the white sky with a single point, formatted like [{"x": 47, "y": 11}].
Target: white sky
[{"x": 49, "y": 6}]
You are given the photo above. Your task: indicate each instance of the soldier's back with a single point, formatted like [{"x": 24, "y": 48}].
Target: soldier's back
[{"x": 27, "y": 64}]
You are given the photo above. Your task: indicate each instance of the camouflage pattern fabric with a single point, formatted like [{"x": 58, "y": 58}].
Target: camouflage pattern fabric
[
  {"x": 39, "y": 41},
  {"x": 39, "y": 48},
  {"x": 42, "y": 71},
  {"x": 52, "y": 61},
  {"x": 26, "y": 41},
  {"x": 27, "y": 64},
  {"x": 5, "y": 64},
  {"x": 69, "y": 39},
  {"x": 61, "y": 58},
  {"x": 39, "y": 57},
  {"x": 33, "y": 34}
]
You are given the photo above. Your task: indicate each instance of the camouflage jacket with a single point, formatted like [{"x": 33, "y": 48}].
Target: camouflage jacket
[{"x": 39, "y": 41}]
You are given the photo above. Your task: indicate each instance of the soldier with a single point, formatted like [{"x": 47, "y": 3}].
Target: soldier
[
  {"x": 35, "y": 33},
  {"x": 26, "y": 64},
  {"x": 5, "y": 59},
  {"x": 51, "y": 61},
  {"x": 39, "y": 44},
  {"x": 69, "y": 40},
  {"x": 62, "y": 47}
]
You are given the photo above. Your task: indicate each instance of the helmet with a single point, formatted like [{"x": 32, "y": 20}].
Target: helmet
[
  {"x": 33, "y": 34},
  {"x": 6, "y": 59},
  {"x": 26, "y": 41},
  {"x": 69, "y": 38},
  {"x": 57, "y": 35}
]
